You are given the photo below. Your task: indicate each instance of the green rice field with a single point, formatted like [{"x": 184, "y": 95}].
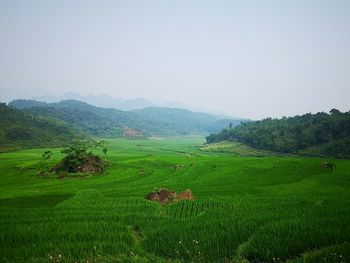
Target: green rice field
[{"x": 249, "y": 206}]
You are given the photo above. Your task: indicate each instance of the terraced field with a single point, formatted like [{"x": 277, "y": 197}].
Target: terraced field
[{"x": 247, "y": 207}]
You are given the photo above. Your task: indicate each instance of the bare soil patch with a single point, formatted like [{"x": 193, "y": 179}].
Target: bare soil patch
[{"x": 165, "y": 196}]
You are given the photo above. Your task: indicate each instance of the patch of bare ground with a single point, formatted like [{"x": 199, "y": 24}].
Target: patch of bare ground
[
  {"x": 131, "y": 133},
  {"x": 165, "y": 196}
]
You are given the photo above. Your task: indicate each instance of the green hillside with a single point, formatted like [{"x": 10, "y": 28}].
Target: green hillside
[
  {"x": 82, "y": 116},
  {"x": 173, "y": 121},
  {"x": 318, "y": 134},
  {"x": 236, "y": 149},
  {"x": 19, "y": 128},
  {"x": 153, "y": 121}
]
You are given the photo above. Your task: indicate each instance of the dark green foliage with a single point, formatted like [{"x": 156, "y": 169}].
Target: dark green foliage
[
  {"x": 105, "y": 150},
  {"x": 24, "y": 104},
  {"x": 172, "y": 121},
  {"x": 26, "y": 129},
  {"x": 85, "y": 121},
  {"x": 75, "y": 155},
  {"x": 46, "y": 155},
  {"x": 86, "y": 118},
  {"x": 79, "y": 158},
  {"x": 318, "y": 134},
  {"x": 18, "y": 133},
  {"x": 103, "y": 144},
  {"x": 153, "y": 121},
  {"x": 221, "y": 136}
]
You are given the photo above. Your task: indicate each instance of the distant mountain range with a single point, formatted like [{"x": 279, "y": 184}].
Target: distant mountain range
[
  {"x": 110, "y": 122},
  {"x": 36, "y": 123},
  {"x": 106, "y": 101}
]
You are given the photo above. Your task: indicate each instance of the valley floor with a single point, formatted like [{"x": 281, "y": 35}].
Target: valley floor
[{"x": 248, "y": 207}]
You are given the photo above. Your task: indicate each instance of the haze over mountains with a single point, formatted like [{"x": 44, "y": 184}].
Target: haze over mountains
[
  {"x": 107, "y": 101},
  {"x": 20, "y": 125},
  {"x": 35, "y": 123},
  {"x": 104, "y": 101}
]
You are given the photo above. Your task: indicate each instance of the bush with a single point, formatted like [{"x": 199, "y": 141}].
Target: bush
[{"x": 79, "y": 158}]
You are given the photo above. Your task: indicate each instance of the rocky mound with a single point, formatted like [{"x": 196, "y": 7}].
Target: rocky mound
[
  {"x": 164, "y": 196},
  {"x": 89, "y": 164}
]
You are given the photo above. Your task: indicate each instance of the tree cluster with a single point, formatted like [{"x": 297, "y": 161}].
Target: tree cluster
[
  {"x": 102, "y": 122},
  {"x": 22, "y": 128},
  {"x": 314, "y": 134},
  {"x": 80, "y": 158}
]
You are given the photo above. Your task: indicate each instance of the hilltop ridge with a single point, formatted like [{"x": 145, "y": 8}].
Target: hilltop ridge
[{"x": 151, "y": 121}]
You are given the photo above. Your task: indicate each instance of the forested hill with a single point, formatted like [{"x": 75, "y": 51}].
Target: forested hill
[
  {"x": 19, "y": 128},
  {"x": 153, "y": 121},
  {"x": 159, "y": 120},
  {"x": 79, "y": 115},
  {"x": 318, "y": 134}
]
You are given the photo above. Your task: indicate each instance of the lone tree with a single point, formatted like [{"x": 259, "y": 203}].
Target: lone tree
[
  {"x": 334, "y": 111},
  {"x": 103, "y": 144},
  {"x": 46, "y": 157}
]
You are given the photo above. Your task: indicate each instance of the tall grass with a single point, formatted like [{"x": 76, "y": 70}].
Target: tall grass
[{"x": 265, "y": 209}]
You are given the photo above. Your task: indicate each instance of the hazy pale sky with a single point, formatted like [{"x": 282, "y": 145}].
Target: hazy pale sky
[{"x": 248, "y": 58}]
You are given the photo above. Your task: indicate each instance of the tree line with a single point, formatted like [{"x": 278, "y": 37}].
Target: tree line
[
  {"x": 320, "y": 134},
  {"x": 19, "y": 128}
]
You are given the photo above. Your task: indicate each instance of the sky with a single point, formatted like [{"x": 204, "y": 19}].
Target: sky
[{"x": 253, "y": 59}]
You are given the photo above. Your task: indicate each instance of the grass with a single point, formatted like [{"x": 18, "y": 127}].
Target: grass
[
  {"x": 247, "y": 208},
  {"x": 236, "y": 149}
]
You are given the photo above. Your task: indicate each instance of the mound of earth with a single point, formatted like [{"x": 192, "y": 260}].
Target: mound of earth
[
  {"x": 165, "y": 196},
  {"x": 89, "y": 164}
]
